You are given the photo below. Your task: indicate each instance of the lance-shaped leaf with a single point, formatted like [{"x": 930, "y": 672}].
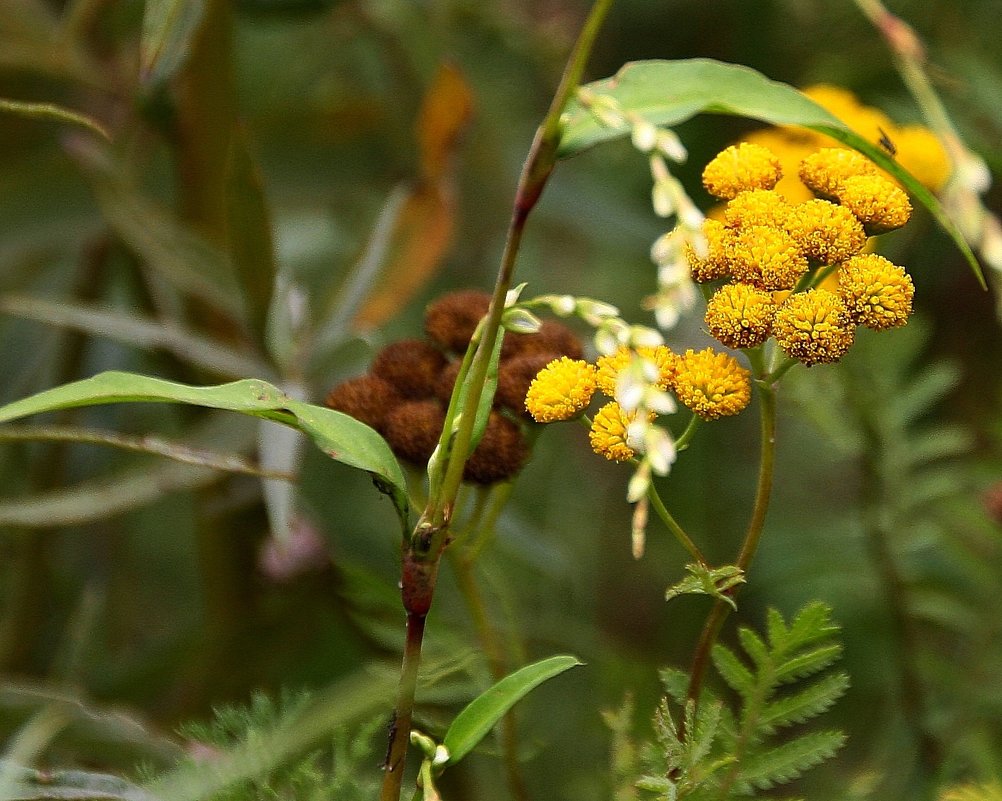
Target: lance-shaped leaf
[
  {"x": 479, "y": 716},
  {"x": 50, "y": 111},
  {"x": 168, "y": 29},
  {"x": 341, "y": 437},
  {"x": 671, "y": 92}
]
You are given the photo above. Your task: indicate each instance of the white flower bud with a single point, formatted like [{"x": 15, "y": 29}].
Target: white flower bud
[
  {"x": 644, "y": 136},
  {"x": 520, "y": 321},
  {"x": 642, "y": 336},
  {"x": 511, "y": 298},
  {"x": 669, "y": 144}
]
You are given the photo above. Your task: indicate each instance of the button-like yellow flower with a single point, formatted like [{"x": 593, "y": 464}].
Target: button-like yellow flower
[
  {"x": 608, "y": 368},
  {"x": 561, "y": 390},
  {"x": 740, "y": 315},
  {"x": 877, "y": 292},
  {"x": 813, "y": 327},
  {"x": 608, "y": 433},
  {"x": 766, "y": 257},
  {"x": 878, "y": 203},
  {"x": 757, "y": 207},
  {"x": 739, "y": 168},
  {"x": 923, "y": 155},
  {"x": 714, "y": 265},
  {"x": 826, "y": 233},
  {"x": 711, "y": 383},
  {"x": 824, "y": 171}
]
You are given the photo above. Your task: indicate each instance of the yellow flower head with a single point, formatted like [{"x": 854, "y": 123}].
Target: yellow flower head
[
  {"x": 740, "y": 315},
  {"x": 609, "y": 367},
  {"x": 757, "y": 207},
  {"x": 878, "y": 203},
  {"x": 714, "y": 265},
  {"x": 864, "y": 120},
  {"x": 824, "y": 171},
  {"x": 827, "y": 233},
  {"x": 813, "y": 327},
  {"x": 739, "y": 168},
  {"x": 608, "y": 433},
  {"x": 711, "y": 383},
  {"x": 766, "y": 257},
  {"x": 923, "y": 155},
  {"x": 877, "y": 293},
  {"x": 561, "y": 390}
]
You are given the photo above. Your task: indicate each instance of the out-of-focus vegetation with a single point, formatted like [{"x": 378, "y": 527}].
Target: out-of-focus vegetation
[{"x": 284, "y": 196}]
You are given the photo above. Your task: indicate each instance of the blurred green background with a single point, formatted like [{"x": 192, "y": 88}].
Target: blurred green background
[{"x": 292, "y": 141}]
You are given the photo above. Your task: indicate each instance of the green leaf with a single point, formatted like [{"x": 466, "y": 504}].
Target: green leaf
[
  {"x": 808, "y": 663},
  {"x": 733, "y": 670},
  {"x": 252, "y": 251},
  {"x": 805, "y": 704},
  {"x": 708, "y": 581},
  {"x": 788, "y": 761},
  {"x": 480, "y": 715},
  {"x": 51, "y": 111},
  {"x": 754, "y": 646},
  {"x": 339, "y": 436},
  {"x": 671, "y": 92},
  {"x": 168, "y": 29}
]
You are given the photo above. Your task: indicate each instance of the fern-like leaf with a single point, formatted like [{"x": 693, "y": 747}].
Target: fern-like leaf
[
  {"x": 788, "y": 761},
  {"x": 738, "y": 677},
  {"x": 801, "y": 706}
]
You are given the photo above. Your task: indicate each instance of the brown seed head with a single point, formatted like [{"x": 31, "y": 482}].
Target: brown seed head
[
  {"x": 411, "y": 365},
  {"x": 451, "y": 320},
  {"x": 552, "y": 337},
  {"x": 413, "y": 429},
  {"x": 500, "y": 454},
  {"x": 367, "y": 398}
]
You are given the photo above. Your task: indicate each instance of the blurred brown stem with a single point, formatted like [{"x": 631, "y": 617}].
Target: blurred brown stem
[{"x": 423, "y": 551}]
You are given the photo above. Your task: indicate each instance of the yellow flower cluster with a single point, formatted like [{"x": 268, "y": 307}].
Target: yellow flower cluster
[
  {"x": 916, "y": 148},
  {"x": 772, "y": 252},
  {"x": 710, "y": 383}
]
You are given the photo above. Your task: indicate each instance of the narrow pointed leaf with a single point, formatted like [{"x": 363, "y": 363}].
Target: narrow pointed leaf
[
  {"x": 480, "y": 715},
  {"x": 733, "y": 670},
  {"x": 50, "y": 111},
  {"x": 252, "y": 251},
  {"x": 168, "y": 29},
  {"x": 671, "y": 92},
  {"x": 137, "y": 331},
  {"x": 339, "y": 436}
]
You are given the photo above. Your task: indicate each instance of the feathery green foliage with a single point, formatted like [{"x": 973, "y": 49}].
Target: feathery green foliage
[{"x": 720, "y": 753}]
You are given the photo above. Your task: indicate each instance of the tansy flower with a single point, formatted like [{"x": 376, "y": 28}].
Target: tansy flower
[
  {"x": 561, "y": 390},
  {"x": 766, "y": 257},
  {"x": 923, "y": 155},
  {"x": 813, "y": 327},
  {"x": 877, "y": 293},
  {"x": 608, "y": 368},
  {"x": 711, "y": 383},
  {"x": 826, "y": 233},
  {"x": 824, "y": 171},
  {"x": 740, "y": 315},
  {"x": 757, "y": 207},
  {"x": 739, "y": 168},
  {"x": 609, "y": 433},
  {"x": 714, "y": 264},
  {"x": 878, "y": 203}
]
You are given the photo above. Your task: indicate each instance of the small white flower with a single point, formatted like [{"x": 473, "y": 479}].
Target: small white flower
[
  {"x": 669, "y": 144},
  {"x": 642, "y": 336},
  {"x": 660, "y": 449},
  {"x": 640, "y": 481}
]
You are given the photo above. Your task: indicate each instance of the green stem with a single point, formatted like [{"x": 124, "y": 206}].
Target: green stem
[
  {"x": 673, "y": 526},
  {"x": 690, "y": 431},
  {"x": 423, "y": 552},
  {"x": 718, "y": 614}
]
